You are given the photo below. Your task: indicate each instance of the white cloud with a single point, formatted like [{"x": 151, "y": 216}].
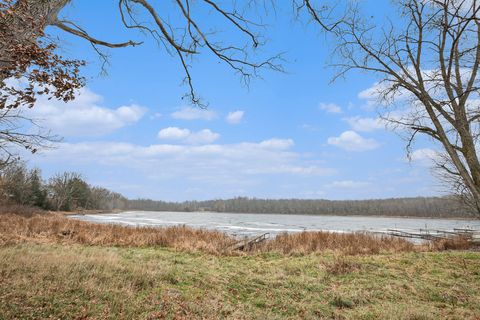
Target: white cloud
[
  {"x": 348, "y": 184},
  {"x": 83, "y": 116},
  {"x": 190, "y": 113},
  {"x": 365, "y": 124},
  {"x": 352, "y": 141},
  {"x": 235, "y": 117},
  {"x": 280, "y": 144},
  {"x": 425, "y": 156},
  {"x": 211, "y": 164},
  {"x": 384, "y": 92},
  {"x": 330, "y": 107},
  {"x": 371, "y": 93},
  {"x": 201, "y": 137},
  {"x": 173, "y": 133},
  {"x": 156, "y": 115}
]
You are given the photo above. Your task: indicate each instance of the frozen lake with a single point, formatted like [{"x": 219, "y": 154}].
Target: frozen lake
[{"x": 247, "y": 224}]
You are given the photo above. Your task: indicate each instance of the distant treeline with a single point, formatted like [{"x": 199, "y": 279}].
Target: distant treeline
[
  {"x": 412, "y": 207},
  {"x": 69, "y": 192}
]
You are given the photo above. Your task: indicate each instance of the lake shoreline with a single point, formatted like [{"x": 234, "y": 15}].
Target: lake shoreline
[
  {"x": 251, "y": 224},
  {"x": 119, "y": 211}
]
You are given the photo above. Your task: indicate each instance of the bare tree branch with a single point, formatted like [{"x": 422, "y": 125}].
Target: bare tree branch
[
  {"x": 63, "y": 24},
  {"x": 427, "y": 62}
]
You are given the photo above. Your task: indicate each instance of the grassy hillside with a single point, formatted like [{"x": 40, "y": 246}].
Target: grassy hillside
[{"x": 76, "y": 281}]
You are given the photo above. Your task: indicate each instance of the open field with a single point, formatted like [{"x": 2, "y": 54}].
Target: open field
[
  {"x": 81, "y": 282},
  {"x": 55, "y": 267}
]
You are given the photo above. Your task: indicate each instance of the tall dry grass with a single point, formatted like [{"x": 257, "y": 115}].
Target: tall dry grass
[
  {"x": 350, "y": 243},
  {"x": 56, "y": 228},
  {"x": 19, "y": 209}
]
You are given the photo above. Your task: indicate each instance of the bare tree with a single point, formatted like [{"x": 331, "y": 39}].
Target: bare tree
[
  {"x": 31, "y": 64},
  {"x": 18, "y": 132},
  {"x": 18, "y": 185},
  {"x": 427, "y": 60},
  {"x": 63, "y": 190},
  {"x": 23, "y": 23}
]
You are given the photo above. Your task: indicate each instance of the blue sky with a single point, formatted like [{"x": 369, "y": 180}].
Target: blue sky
[{"x": 288, "y": 135}]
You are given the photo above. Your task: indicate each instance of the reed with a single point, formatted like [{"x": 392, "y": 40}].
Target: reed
[
  {"x": 455, "y": 243},
  {"x": 349, "y": 243},
  {"x": 56, "y": 228}
]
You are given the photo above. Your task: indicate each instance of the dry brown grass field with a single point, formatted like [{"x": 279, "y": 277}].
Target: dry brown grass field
[
  {"x": 56, "y": 228},
  {"x": 54, "y": 267}
]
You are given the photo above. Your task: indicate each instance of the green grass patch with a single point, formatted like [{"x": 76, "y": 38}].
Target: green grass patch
[{"x": 75, "y": 281}]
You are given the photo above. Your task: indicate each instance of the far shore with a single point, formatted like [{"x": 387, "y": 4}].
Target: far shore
[
  {"x": 117, "y": 211},
  {"x": 90, "y": 211}
]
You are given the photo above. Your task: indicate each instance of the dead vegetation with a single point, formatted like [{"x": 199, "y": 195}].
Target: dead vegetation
[
  {"x": 56, "y": 228},
  {"x": 18, "y": 209},
  {"x": 49, "y": 281},
  {"x": 341, "y": 265},
  {"x": 349, "y": 243},
  {"x": 456, "y": 243}
]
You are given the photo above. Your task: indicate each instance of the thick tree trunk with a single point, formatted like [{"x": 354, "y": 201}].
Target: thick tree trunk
[
  {"x": 468, "y": 150},
  {"x": 471, "y": 158},
  {"x": 469, "y": 170}
]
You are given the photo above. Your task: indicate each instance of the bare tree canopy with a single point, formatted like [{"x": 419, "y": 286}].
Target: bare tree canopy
[
  {"x": 20, "y": 132},
  {"x": 427, "y": 60},
  {"x": 31, "y": 64},
  {"x": 27, "y": 52}
]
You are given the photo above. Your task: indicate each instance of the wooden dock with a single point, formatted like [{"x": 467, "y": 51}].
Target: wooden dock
[
  {"x": 434, "y": 234},
  {"x": 248, "y": 242}
]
